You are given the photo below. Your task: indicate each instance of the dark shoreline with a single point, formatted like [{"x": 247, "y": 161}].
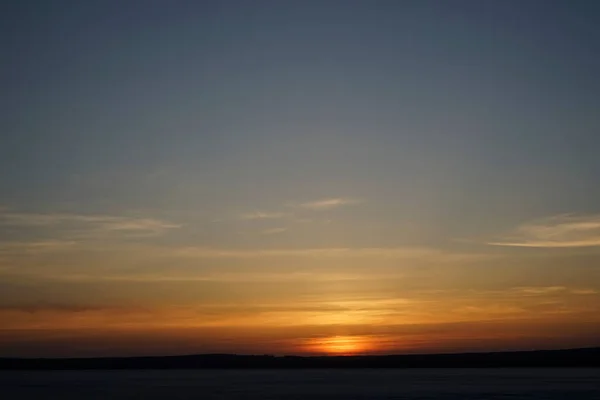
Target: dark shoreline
[{"x": 572, "y": 358}]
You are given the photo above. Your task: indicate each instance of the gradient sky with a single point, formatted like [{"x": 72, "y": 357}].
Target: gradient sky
[{"x": 299, "y": 177}]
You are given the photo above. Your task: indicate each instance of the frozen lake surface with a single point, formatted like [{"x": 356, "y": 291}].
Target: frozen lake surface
[{"x": 409, "y": 384}]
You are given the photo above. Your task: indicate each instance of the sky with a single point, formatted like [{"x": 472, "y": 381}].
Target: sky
[{"x": 298, "y": 177}]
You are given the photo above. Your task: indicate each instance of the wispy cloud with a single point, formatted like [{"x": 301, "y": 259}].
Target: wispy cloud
[
  {"x": 92, "y": 225},
  {"x": 328, "y": 203},
  {"x": 33, "y": 247},
  {"x": 263, "y": 215},
  {"x": 539, "y": 290},
  {"x": 147, "y": 225},
  {"x": 187, "y": 263},
  {"x": 230, "y": 277},
  {"x": 51, "y": 307},
  {"x": 411, "y": 253},
  {"x": 274, "y": 231},
  {"x": 565, "y": 230},
  {"x": 584, "y": 291},
  {"x": 314, "y": 205}
]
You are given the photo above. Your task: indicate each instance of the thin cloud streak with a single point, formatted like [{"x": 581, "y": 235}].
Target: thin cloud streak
[
  {"x": 412, "y": 253},
  {"x": 89, "y": 224},
  {"x": 263, "y": 215},
  {"x": 234, "y": 277},
  {"x": 40, "y": 246},
  {"x": 316, "y": 205},
  {"x": 274, "y": 231},
  {"x": 540, "y": 290},
  {"x": 328, "y": 203},
  {"x": 310, "y": 252},
  {"x": 561, "y": 231},
  {"x": 351, "y": 311}
]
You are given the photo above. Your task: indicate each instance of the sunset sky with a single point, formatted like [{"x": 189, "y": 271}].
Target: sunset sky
[{"x": 298, "y": 177}]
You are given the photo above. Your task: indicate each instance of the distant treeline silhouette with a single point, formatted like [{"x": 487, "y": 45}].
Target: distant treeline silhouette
[{"x": 588, "y": 357}]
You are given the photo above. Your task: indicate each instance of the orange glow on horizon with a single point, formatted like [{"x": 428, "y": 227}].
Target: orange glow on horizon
[{"x": 340, "y": 345}]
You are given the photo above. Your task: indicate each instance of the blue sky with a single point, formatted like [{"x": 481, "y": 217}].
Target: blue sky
[{"x": 238, "y": 130}]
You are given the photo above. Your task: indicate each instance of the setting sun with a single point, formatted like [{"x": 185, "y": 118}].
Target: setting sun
[{"x": 340, "y": 345}]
